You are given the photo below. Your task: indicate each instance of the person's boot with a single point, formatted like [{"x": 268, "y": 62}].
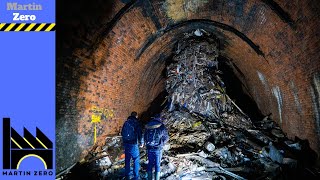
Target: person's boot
[
  {"x": 157, "y": 175},
  {"x": 149, "y": 175}
]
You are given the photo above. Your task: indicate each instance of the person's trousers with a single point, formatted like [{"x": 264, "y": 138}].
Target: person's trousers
[
  {"x": 154, "y": 157},
  {"x": 132, "y": 152}
]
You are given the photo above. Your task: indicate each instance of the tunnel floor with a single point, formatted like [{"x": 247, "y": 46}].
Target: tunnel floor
[
  {"x": 225, "y": 151},
  {"x": 211, "y": 136}
]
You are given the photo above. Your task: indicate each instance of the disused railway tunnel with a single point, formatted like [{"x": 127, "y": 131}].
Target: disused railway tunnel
[{"x": 112, "y": 57}]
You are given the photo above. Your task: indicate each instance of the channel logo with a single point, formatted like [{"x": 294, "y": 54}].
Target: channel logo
[{"x": 17, "y": 148}]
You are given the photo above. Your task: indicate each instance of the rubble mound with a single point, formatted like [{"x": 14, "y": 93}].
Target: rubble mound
[{"x": 192, "y": 79}]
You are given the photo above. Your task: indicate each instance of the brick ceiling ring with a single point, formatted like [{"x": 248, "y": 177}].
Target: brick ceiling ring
[
  {"x": 152, "y": 38},
  {"x": 283, "y": 15}
]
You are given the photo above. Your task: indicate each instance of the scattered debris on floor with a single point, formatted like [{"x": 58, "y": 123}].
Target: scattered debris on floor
[{"x": 210, "y": 136}]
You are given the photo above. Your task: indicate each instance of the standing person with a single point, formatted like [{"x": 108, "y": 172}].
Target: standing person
[
  {"x": 156, "y": 135},
  {"x": 131, "y": 136}
]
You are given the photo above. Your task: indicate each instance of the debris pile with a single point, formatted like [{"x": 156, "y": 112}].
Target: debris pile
[
  {"x": 192, "y": 79},
  {"x": 209, "y": 134}
]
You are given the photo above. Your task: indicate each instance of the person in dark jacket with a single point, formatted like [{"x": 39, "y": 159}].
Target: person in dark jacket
[
  {"x": 156, "y": 135},
  {"x": 131, "y": 136}
]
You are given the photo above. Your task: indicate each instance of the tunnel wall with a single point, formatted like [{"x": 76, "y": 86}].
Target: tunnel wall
[{"x": 110, "y": 57}]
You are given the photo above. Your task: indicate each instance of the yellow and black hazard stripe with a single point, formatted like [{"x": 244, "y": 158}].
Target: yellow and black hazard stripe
[{"x": 28, "y": 27}]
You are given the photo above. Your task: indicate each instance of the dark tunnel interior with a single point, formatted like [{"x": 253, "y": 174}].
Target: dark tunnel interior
[
  {"x": 113, "y": 58},
  {"x": 237, "y": 90}
]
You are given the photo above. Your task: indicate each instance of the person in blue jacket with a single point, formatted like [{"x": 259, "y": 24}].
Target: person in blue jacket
[
  {"x": 156, "y": 135},
  {"x": 132, "y": 135}
]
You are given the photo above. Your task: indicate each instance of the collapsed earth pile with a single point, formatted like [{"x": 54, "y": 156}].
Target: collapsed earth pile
[{"x": 210, "y": 136}]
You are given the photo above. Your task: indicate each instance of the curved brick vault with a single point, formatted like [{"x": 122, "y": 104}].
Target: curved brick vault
[{"x": 110, "y": 56}]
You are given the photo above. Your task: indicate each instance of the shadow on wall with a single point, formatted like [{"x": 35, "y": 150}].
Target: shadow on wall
[
  {"x": 156, "y": 106},
  {"x": 237, "y": 90},
  {"x": 77, "y": 20}
]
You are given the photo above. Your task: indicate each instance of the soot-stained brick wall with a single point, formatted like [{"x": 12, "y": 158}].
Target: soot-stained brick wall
[{"x": 110, "y": 56}]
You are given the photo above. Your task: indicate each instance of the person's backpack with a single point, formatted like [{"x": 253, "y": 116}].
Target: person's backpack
[
  {"x": 129, "y": 132},
  {"x": 153, "y": 137}
]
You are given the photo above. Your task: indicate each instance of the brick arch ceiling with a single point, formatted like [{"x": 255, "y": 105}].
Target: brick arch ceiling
[{"x": 273, "y": 44}]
